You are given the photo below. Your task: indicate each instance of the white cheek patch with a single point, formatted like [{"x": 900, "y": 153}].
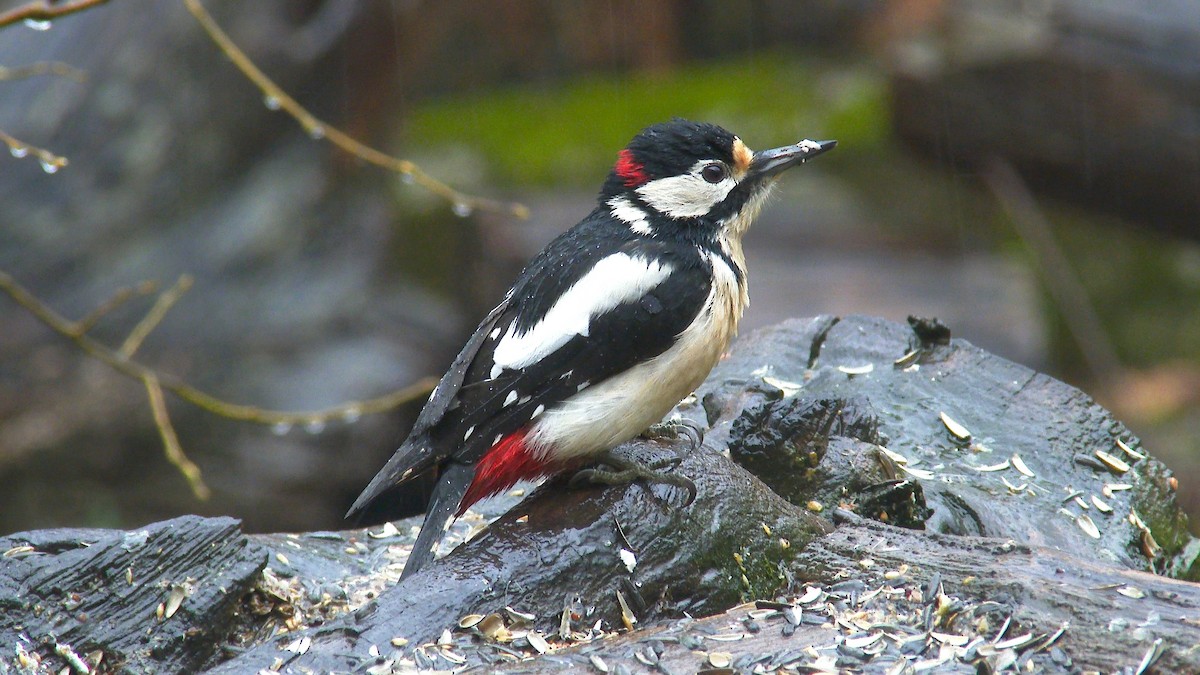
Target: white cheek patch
[
  {"x": 624, "y": 211},
  {"x": 617, "y": 279},
  {"x": 687, "y": 195}
]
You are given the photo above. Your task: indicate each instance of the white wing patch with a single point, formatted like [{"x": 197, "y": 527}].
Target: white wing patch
[
  {"x": 687, "y": 195},
  {"x": 624, "y": 211},
  {"x": 615, "y": 279}
]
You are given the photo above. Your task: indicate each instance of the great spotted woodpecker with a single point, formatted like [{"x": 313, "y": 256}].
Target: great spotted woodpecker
[{"x": 609, "y": 327}]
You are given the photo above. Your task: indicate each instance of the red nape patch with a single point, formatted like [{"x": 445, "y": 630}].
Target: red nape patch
[
  {"x": 506, "y": 463},
  {"x": 630, "y": 170}
]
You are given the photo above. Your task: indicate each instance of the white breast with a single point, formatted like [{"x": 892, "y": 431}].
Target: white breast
[{"x": 623, "y": 406}]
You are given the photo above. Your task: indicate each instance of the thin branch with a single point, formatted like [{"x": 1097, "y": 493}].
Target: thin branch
[
  {"x": 51, "y": 162},
  {"x": 276, "y": 98},
  {"x": 45, "y": 10},
  {"x": 166, "y": 300},
  {"x": 1064, "y": 287},
  {"x": 348, "y": 411},
  {"x": 171, "y": 446},
  {"x": 42, "y": 68},
  {"x": 119, "y": 298}
]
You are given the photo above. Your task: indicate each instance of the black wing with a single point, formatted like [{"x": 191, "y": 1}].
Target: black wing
[{"x": 490, "y": 406}]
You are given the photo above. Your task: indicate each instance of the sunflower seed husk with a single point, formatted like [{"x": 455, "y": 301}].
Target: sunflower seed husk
[
  {"x": 957, "y": 430},
  {"x": 949, "y": 638},
  {"x": 1129, "y": 451},
  {"x": 174, "y": 599},
  {"x": 1149, "y": 546},
  {"x": 627, "y": 616},
  {"x": 918, "y": 473},
  {"x": 492, "y": 627},
  {"x": 1132, "y": 592},
  {"x": 1114, "y": 464},
  {"x": 1085, "y": 523},
  {"x": 720, "y": 659},
  {"x": 1019, "y": 465},
  {"x": 518, "y": 616},
  {"x": 388, "y": 530},
  {"x": 1150, "y": 657},
  {"x": 470, "y": 620},
  {"x": 1013, "y": 488},
  {"x": 811, "y": 595},
  {"x": 994, "y": 467},
  {"x": 539, "y": 643}
]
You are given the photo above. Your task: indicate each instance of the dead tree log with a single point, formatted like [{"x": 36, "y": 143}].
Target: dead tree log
[{"x": 983, "y": 470}]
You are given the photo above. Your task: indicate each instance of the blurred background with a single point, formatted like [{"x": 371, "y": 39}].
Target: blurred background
[{"x": 1026, "y": 171}]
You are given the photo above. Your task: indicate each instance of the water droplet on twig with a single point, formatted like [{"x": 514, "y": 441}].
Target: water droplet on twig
[
  {"x": 37, "y": 24},
  {"x": 18, "y": 151},
  {"x": 50, "y": 167},
  {"x": 281, "y": 428},
  {"x": 314, "y": 426},
  {"x": 271, "y": 102},
  {"x": 462, "y": 209}
]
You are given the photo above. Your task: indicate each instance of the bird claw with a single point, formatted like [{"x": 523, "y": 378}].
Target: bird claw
[
  {"x": 628, "y": 471},
  {"x": 675, "y": 427}
]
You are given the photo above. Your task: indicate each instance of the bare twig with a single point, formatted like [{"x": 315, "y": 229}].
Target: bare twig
[
  {"x": 119, "y": 298},
  {"x": 166, "y": 300},
  {"x": 276, "y": 98},
  {"x": 348, "y": 411},
  {"x": 1064, "y": 287},
  {"x": 45, "y": 10},
  {"x": 51, "y": 162},
  {"x": 42, "y": 68},
  {"x": 171, "y": 446}
]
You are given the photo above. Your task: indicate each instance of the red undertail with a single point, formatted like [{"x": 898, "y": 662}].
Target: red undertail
[{"x": 506, "y": 463}]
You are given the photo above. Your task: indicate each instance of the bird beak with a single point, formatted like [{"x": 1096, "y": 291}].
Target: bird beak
[{"x": 768, "y": 163}]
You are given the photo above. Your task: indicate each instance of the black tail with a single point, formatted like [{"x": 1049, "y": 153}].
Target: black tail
[
  {"x": 447, "y": 495},
  {"x": 415, "y": 456}
]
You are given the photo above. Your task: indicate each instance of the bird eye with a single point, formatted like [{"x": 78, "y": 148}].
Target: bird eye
[{"x": 713, "y": 173}]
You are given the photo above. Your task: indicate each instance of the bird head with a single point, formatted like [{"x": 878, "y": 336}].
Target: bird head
[{"x": 697, "y": 172}]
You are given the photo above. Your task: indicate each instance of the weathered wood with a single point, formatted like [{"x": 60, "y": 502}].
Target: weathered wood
[
  {"x": 159, "y": 599},
  {"x": 563, "y": 547},
  {"x": 798, "y": 404},
  {"x": 1111, "y": 618},
  {"x": 1017, "y": 418}
]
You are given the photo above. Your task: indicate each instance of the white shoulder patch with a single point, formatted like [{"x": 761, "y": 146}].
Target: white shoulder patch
[
  {"x": 625, "y": 211},
  {"x": 613, "y": 280}
]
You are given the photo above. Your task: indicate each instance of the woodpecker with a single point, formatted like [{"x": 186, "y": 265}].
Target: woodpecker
[{"x": 604, "y": 331}]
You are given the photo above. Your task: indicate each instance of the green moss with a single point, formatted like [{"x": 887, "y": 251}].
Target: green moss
[
  {"x": 568, "y": 133},
  {"x": 1155, "y": 502}
]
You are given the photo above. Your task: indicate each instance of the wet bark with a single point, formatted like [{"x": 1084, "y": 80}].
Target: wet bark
[{"x": 983, "y": 562}]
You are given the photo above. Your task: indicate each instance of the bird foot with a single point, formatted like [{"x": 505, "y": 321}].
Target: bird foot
[
  {"x": 625, "y": 470},
  {"x": 675, "y": 428}
]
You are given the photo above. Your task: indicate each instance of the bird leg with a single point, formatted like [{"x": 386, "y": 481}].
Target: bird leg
[{"x": 626, "y": 470}]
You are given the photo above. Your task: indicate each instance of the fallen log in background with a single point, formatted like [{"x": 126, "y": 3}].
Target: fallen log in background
[{"x": 989, "y": 466}]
